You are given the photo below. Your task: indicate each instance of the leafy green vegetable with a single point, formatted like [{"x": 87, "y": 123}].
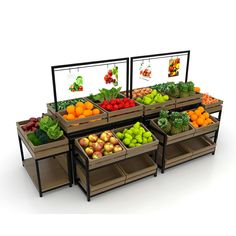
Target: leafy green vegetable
[
  {"x": 33, "y": 139},
  {"x": 54, "y": 132},
  {"x": 105, "y": 94},
  {"x": 42, "y": 136},
  {"x": 46, "y": 122},
  {"x": 61, "y": 105}
]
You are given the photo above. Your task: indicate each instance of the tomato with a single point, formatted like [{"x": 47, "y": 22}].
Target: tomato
[{"x": 110, "y": 73}]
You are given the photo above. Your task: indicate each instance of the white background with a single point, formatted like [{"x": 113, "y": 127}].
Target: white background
[{"x": 197, "y": 198}]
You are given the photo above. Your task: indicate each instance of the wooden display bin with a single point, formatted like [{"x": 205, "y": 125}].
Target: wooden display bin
[
  {"x": 71, "y": 126},
  {"x": 141, "y": 149},
  {"x": 48, "y": 149},
  {"x": 155, "y": 108},
  {"x": 101, "y": 179},
  {"x": 199, "y": 146},
  {"x": 94, "y": 163},
  {"x": 207, "y": 129},
  {"x": 188, "y": 101},
  {"x": 170, "y": 138},
  {"x": 175, "y": 154},
  {"x": 138, "y": 167}
]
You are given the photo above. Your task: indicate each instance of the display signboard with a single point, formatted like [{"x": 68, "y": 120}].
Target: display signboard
[{"x": 82, "y": 79}]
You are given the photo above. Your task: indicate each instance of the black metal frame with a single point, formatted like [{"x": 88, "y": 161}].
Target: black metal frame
[
  {"x": 86, "y": 191},
  {"x": 69, "y": 167},
  {"x": 132, "y": 59},
  {"x": 88, "y": 64}
]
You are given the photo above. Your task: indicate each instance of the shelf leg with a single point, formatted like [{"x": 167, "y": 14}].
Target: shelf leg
[
  {"x": 69, "y": 168},
  {"x": 87, "y": 180},
  {"x": 163, "y": 155},
  {"x": 38, "y": 177},
  {"x": 155, "y": 156},
  {"x": 21, "y": 150}
]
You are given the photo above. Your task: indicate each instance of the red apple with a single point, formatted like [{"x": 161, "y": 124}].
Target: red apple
[
  {"x": 91, "y": 144},
  {"x": 89, "y": 151},
  {"x": 84, "y": 142},
  {"x": 108, "y": 147},
  {"x": 105, "y": 137},
  {"x": 97, "y": 155},
  {"x": 117, "y": 148},
  {"x": 107, "y": 153},
  {"x": 97, "y": 147},
  {"x": 101, "y": 142},
  {"x": 113, "y": 140},
  {"x": 109, "y": 133},
  {"x": 93, "y": 137}
]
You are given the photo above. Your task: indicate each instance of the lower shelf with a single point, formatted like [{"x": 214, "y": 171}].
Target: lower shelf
[
  {"x": 138, "y": 167},
  {"x": 114, "y": 175},
  {"x": 186, "y": 150},
  {"x": 52, "y": 175}
]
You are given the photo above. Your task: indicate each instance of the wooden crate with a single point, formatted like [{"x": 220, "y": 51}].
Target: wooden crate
[
  {"x": 79, "y": 124},
  {"x": 138, "y": 167},
  {"x": 198, "y": 146},
  {"x": 101, "y": 179},
  {"x": 155, "y": 108},
  {"x": 206, "y": 129},
  {"x": 188, "y": 101},
  {"x": 141, "y": 149},
  {"x": 175, "y": 154},
  {"x": 170, "y": 138},
  {"x": 44, "y": 150},
  {"x": 94, "y": 163}
]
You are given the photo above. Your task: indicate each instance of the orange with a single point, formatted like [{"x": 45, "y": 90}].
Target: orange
[
  {"x": 65, "y": 116},
  {"x": 206, "y": 114},
  {"x": 70, "y": 109},
  {"x": 79, "y": 110},
  {"x": 205, "y": 122},
  {"x": 190, "y": 113},
  {"x": 202, "y": 117},
  {"x": 70, "y": 117},
  {"x": 198, "y": 112},
  {"x": 209, "y": 121},
  {"x": 200, "y": 121},
  {"x": 81, "y": 116},
  {"x": 80, "y": 104},
  {"x": 96, "y": 111},
  {"x": 201, "y": 109},
  {"x": 194, "y": 117},
  {"x": 88, "y": 105},
  {"x": 87, "y": 113},
  {"x": 194, "y": 124}
]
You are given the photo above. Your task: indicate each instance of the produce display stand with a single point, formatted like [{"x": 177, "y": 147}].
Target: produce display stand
[
  {"x": 43, "y": 169},
  {"x": 65, "y": 162},
  {"x": 185, "y": 146},
  {"x": 108, "y": 176}
]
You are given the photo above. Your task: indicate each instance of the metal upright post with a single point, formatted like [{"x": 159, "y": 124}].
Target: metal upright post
[
  {"x": 21, "y": 150},
  {"x": 87, "y": 179},
  {"x": 131, "y": 77},
  {"x": 164, "y": 155},
  {"x": 38, "y": 178},
  {"x": 155, "y": 157}
]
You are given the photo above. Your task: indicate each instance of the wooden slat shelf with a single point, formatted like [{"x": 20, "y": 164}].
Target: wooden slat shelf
[{"x": 52, "y": 174}]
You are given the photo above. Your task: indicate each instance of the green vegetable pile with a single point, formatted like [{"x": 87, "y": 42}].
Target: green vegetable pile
[
  {"x": 173, "y": 123},
  {"x": 105, "y": 94},
  {"x": 61, "y": 105},
  {"x": 176, "y": 90},
  {"x": 153, "y": 98},
  {"x": 135, "y": 136},
  {"x": 48, "y": 131}
]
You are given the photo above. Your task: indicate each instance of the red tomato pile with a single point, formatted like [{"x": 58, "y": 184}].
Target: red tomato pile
[{"x": 117, "y": 104}]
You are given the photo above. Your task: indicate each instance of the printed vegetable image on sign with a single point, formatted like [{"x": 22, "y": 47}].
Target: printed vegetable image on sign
[
  {"x": 174, "y": 65},
  {"x": 77, "y": 85}
]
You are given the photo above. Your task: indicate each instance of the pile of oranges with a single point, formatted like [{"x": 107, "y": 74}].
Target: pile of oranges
[
  {"x": 80, "y": 110},
  {"x": 199, "y": 117}
]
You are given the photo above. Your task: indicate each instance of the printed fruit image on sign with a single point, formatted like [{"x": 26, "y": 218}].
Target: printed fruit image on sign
[
  {"x": 174, "y": 65},
  {"x": 145, "y": 71},
  {"x": 77, "y": 85},
  {"x": 112, "y": 76}
]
